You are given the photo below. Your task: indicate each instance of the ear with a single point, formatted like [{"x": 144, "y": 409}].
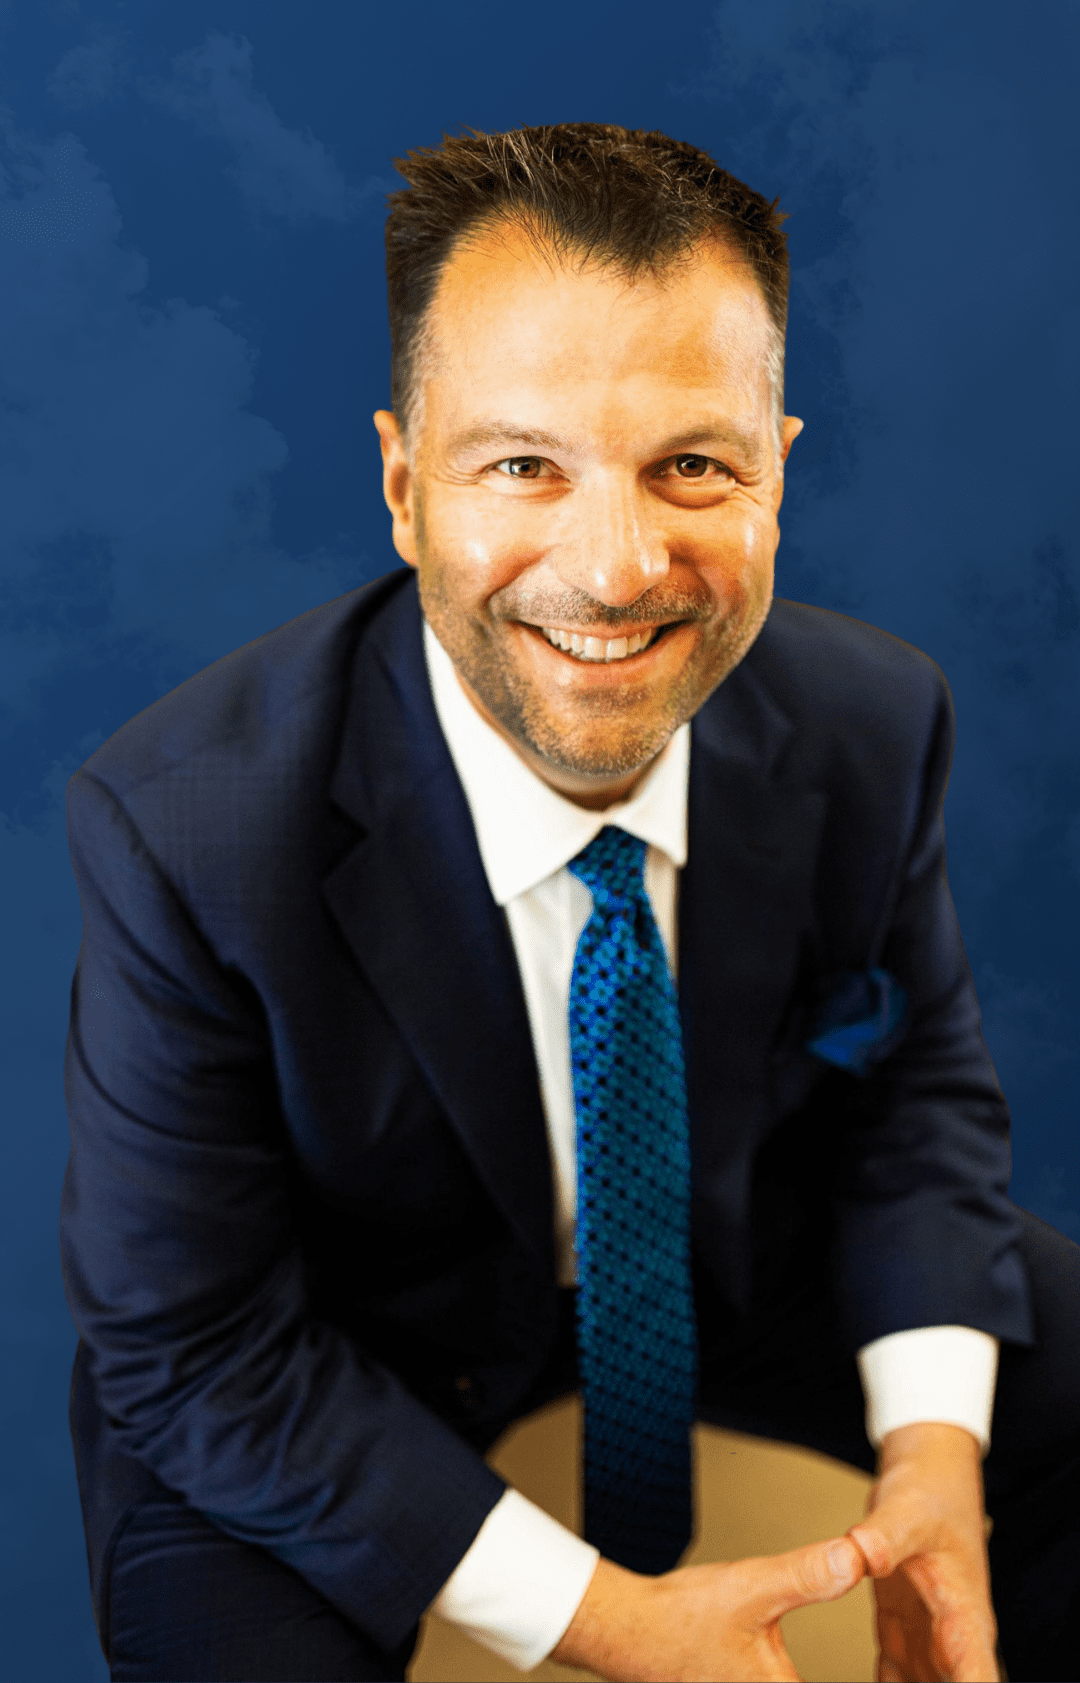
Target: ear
[
  {"x": 789, "y": 432},
  {"x": 397, "y": 484}
]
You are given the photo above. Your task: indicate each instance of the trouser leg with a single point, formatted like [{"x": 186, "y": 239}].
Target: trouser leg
[
  {"x": 187, "y": 1604},
  {"x": 1032, "y": 1474}
]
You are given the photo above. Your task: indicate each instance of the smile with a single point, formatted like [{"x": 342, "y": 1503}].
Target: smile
[{"x": 596, "y": 648}]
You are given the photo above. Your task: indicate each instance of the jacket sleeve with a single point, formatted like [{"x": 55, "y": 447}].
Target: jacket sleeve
[
  {"x": 925, "y": 1234},
  {"x": 185, "y": 1278}
]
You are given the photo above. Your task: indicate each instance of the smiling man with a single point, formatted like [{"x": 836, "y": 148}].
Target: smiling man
[
  {"x": 592, "y": 493},
  {"x": 592, "y": 497},
  {"x": 533, "y": 972}
]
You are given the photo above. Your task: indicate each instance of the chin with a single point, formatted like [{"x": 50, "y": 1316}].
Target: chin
[{"x": 587, "y": 752}]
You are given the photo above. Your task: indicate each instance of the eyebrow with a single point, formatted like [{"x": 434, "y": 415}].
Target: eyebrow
[{"x": 506, "y": 432}]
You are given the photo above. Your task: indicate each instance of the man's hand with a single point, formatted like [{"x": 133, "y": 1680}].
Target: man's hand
[
  {"x": 713, "y": 1624},
  {"x": 924, "y": 1539}
]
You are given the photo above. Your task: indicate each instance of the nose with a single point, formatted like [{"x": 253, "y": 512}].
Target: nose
[{"x": 609, "y": 547}]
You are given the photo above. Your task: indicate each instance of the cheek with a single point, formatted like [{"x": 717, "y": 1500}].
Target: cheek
[
  {"x": 479, "y": 557},
  {"x": 737, "y": 563},
  {"x": 514, "y": 532},
  {"x": 476, "y": 550},
  {"x": 756, "y": 542}
]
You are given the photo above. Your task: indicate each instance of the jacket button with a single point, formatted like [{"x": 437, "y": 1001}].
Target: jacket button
[{"x": 463, "y": 1387}]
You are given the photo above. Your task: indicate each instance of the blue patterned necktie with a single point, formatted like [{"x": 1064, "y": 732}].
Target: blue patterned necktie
[{"x": 636, "y": 1330}]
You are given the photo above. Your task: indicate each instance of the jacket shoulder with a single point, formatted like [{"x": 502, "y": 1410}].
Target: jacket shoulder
[
  {"x": 839, "y": 677},
  {"x": 804, "y": 649},
  {"x": 254, "y": 702}
]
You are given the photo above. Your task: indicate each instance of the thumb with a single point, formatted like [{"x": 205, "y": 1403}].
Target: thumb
[
  {"x": 886, "y": 1538},
  {"x": 819, "y": 1572}
]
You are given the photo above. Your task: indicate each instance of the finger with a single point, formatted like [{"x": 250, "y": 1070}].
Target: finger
[
  {"x": 903, "y": 1649},
  {"x": 976, "y": 1666},
  {"x": 931, "y": 1624},
  {"x": 819, "y": 1572},
  {"x": 956, "y": 1595},
  {"x": 963, "y": 1649},
  {"x": 977, "y": 1671}
]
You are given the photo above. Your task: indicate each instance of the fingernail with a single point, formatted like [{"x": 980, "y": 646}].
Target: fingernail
[{"x": 840, "y": 1561}]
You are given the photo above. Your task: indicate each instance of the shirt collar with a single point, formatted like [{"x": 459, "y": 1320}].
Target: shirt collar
[{"x": 527, "y": 832}]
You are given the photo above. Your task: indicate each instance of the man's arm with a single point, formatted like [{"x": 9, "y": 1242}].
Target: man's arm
[
  {"x": 924, "y": 1542},
  {"x": 928, "y": 1270},
  {"x": 925, "y": 1234},
  {"x": 185, "y": 1278},
  {"x": 929, "y": 1395}
]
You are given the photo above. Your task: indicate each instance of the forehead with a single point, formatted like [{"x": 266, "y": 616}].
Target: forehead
[{"x": 511, "y": 318}]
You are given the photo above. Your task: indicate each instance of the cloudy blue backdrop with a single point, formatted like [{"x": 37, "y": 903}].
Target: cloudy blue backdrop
[{"x": 193, "y": 341}]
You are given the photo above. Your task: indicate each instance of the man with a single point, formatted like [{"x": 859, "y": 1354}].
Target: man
[{"x": 388, "y": 1124}]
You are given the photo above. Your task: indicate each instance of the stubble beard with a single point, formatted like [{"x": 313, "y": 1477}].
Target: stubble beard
[{"x": 607, "y": 739}]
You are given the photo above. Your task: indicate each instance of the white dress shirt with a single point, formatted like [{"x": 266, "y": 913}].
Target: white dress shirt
[{"x": 520, "y": 1583}]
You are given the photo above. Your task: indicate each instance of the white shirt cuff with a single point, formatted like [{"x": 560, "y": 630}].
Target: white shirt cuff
[
  {"x": 929, "y": 1373},
  {"x": 520, "y": 1583}
]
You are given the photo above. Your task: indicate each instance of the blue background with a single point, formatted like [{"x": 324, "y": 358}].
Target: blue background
[{"x": 193, "y": 340}]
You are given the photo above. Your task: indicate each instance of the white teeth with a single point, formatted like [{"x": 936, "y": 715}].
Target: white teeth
[{"x": 595, "y": 648}]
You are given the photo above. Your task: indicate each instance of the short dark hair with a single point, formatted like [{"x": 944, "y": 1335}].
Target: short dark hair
[{"x": 630, "y": 197}]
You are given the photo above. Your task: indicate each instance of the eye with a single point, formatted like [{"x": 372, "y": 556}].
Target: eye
[
  {"x": 520, "y": 467},
  {"x": 697, "y": 467}
]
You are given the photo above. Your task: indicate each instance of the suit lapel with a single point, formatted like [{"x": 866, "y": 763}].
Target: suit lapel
[
  {"x": 744, "y": 905},
  {"x": 413, "y": 902}
]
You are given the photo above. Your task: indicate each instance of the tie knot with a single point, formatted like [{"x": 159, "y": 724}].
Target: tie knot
[{"x": 612, "y": 867}]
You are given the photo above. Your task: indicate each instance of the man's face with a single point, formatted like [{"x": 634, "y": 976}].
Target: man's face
[{"x": 591, "y": 497}]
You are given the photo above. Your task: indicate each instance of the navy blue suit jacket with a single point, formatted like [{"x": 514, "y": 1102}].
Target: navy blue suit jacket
[{"x": 307, "y": 1225}]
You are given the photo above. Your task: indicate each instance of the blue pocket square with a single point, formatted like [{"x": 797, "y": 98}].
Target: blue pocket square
[{"x": 861, "y": 1020}]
